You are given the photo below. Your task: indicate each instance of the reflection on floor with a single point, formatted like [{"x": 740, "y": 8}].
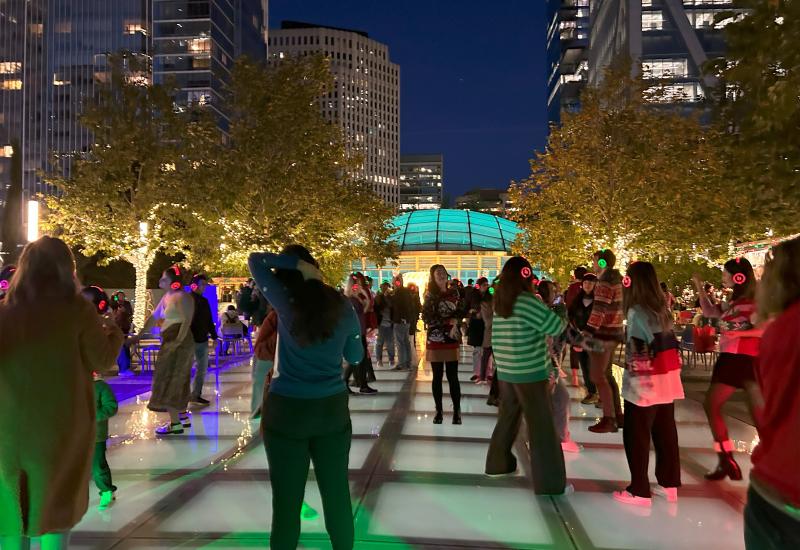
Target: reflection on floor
[{"x": 414, "y": 484}]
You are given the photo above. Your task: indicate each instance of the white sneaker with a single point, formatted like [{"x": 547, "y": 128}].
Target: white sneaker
[
  {"x": 626, "y": 498},
  {"x": 507, "y": 474},
  {"x": 669, "y": 493},
  {"x": 378, "y": 365},
  {"x": 570, "y": 447}
]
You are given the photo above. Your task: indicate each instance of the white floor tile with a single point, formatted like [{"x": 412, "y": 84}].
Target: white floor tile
[
  {"x": 506, "y": 516},
  {"x": 608, "y": 464},
  {"x": 690, "y": 524},
  {"x": 256, "y": 458},
  {"x": 440, "y": 456},
  {"x": 473, "y": 426}
]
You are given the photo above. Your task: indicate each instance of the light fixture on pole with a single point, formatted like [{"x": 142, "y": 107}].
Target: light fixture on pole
[{"x": 33, "y": 220}]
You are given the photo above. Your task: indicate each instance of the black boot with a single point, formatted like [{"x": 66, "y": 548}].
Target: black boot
[
  {"x": 457, "y": 416},
  {"x": 438, "y": 418},
  {"x": 727, "y": 467}
]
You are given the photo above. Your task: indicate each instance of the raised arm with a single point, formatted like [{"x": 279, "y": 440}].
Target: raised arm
[{"x": 261, "y": 265}]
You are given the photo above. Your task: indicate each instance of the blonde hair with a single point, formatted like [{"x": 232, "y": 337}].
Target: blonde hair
[
  {"x": 780, "y": 284},
  {"x": 46, "y": 270}
]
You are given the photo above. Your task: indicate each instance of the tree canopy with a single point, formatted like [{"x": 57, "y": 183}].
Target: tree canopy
[{"x": 628, "y": 173}]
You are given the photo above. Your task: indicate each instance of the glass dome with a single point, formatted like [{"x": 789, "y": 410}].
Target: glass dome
[{"x": 462, "y": 230}]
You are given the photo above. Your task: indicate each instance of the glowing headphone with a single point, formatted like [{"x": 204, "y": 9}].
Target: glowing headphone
[
  {"x": 5, "y": 277},
  {"x": 626, "y": 281},
  {"x": 176, "y": 284},
  {"x": 739, "y": 278}
]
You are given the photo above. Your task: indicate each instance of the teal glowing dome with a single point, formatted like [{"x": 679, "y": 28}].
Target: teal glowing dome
[{"x": 453, "y": 230}]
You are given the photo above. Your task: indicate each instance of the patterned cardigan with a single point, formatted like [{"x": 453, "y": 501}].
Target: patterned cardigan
[{"x": 605, "y": 322}]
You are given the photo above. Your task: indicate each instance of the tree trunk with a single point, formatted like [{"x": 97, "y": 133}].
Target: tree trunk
[{"x": 140, "y": 305}]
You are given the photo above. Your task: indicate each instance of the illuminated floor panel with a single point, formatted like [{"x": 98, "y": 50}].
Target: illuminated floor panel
[{"x": 414, "y": 484}]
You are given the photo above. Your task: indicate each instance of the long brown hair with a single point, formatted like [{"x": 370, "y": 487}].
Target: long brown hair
[
  {"x": 46, "y": 271},
  {"x": 512, "y": 283},
  {"x": 780, "y": 285},
  {"x": 643, "y": 289},
  {"x": 433, "y": 289}
]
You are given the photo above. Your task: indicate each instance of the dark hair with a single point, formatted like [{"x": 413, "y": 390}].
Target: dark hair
[
  {"x": 780, "y": 285},
  {"x": 482, "y": 281},
  {"x": 663, "y": 286},
  {"x": 97, "y": 296},
  {"x": 589, "y": 277},
  {"x": 608, "y": 255},
  {"x": 45, "y": 271},
  {"x": 197, "y": 277},
  {"x": 173, "y": 273},
  {"x": 511, "y": 285},
  {"x": 231, "y": 307},
  {"x": 644, "y": 291},
  {"x": 547, "y": 290},
  {"x": 317, "y": 307},
  {"x": 579, "y": 272},
  {"x": 433, "y": 288},
  {"x": 747, "y": 288}
]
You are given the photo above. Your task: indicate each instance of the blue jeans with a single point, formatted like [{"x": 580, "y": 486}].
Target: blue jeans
[
  {"x": 766, "y": 527},
  {"x": 124, "y": 358},
  {"x": 403, "y": 344},
  {"x": 385, "y": 336},
  {"x": 201, "y": 358}
]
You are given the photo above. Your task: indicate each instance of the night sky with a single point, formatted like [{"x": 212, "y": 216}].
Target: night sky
[{"x": 472, "y": 76}]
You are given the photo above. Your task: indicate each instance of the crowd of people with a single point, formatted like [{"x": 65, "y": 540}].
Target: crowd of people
[{"x": 312, "y": 338}]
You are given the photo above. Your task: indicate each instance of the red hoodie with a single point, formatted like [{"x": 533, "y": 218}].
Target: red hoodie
[{"x": 775, "y": 459}]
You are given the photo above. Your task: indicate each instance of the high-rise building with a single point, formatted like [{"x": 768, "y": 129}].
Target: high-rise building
[
  {"x": 421, "y": 182},
  {"x": 196, "y": 43},
  {"x": 487, "y": 200},
  {"x": 673, "y": 39},
  {"x": 568, "y": 33},
  {"x": 365, "y": 100},
  {"x": 53, "y": 52}
]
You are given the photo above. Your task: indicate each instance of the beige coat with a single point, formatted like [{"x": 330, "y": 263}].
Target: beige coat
[{"x": 47, "y": 418}]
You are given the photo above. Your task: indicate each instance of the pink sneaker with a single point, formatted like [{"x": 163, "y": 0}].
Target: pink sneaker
[
  {"x": 626, "y": 498},
  {"x": 669, "y": 493},
  {"x": 570, "y": 447}
]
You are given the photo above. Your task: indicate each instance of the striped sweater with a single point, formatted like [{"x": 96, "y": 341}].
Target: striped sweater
[
  {"x": 605, "y": 321},
  {"x": 520, "y": 343}
]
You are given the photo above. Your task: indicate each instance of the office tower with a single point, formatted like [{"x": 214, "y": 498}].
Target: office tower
[
  {"x": 568, "y": 29},
  {"x": 421, "y": 181},
  {"x": 195, "y": 45},
  {"x": 673, "y": 39},
  {"x": 487, "y": 200},
  {"x": 365, "y": 101}
]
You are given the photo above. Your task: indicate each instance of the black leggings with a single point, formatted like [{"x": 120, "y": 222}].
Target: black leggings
[{"x": 452, "y": 381}]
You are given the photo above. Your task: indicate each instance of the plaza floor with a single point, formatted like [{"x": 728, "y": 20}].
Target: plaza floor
[{"x": 414, "y": 484}]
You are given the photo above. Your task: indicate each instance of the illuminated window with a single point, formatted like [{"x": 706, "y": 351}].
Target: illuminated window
[
  {"x": 199, "y": 45},
  {"x": 11, "y": 85},
  {"x": 64, "y": 27},
  {"x": 7, "y": 151},
  {"x": 36, "y": 28},
  {"x": 133, "y": 27},
  {"x": 665, "y": 68},
  {"x": 652, "y": 20},
  {"x": 59, "y": 80},
  {"x": 10, "y": 67}
]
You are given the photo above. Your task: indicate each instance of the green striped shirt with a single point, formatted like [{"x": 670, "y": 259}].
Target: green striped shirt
[{"x": 519, "y": 342}]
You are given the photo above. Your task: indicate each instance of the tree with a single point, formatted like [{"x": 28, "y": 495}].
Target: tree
[
  {"x": 146, "y": 185},
  {"x": 759, "y": 109},
  {"x": 289, "y": 177},
  {"x": 11, "y": 237},
  {"x": 625, "y": 172}
]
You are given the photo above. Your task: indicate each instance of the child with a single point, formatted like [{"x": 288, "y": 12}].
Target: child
[
  {"x": 561, "y": 400},
  {"x": 105, "y": 406}
]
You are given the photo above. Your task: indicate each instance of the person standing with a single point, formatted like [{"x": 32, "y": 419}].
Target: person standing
[
  {"x": 173, "y": 369},
  {"x": 383, "y": 310},
  {"x": 579, "y": 312},
  {"x": 651, "y": 384},
  {"x": 772, "y": 514},
  {"x": 123, "y": 316},
  {"x": 669, "y": 297},
  {"x": 306, "y": 416},
  {"x": 441, "y": 312},
  {"x": 47, "y": 418},
  {"x": 264, "y": 352},
  {"x": 735, "y": 366},
  {"x": 605, "y": 328},
  {"x": 105, "y": 407},
  {"x": 487, "y": 315},
  {"x": 202, "y": 328},
  {"x": 476, "y": 329},
  {"x": 521, "y": 326},
  {"x": 405, "y": 314},
  {"x": 360, "y": 301}
]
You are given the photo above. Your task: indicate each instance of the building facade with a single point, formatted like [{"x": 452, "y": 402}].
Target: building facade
[
  {"x": 488, "y": 200},
  {"x": 365, "y": 100},
  {"x": 673, "y": 39},
  {"x": 195, "y": 45},
  {"x": 568, "y": 31},
  {"x": 421, "y": 182},
  {"x": 54, "y": 52}
]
